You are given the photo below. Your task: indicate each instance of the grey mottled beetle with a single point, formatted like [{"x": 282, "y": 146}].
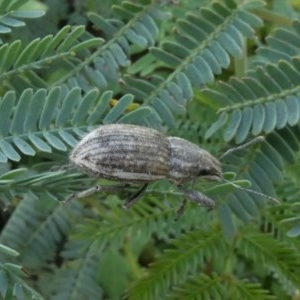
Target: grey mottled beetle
[{"x": 140, "y": 155}]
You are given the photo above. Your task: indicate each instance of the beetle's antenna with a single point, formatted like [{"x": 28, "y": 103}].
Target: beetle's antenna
[
  {"x": 274, "y": 200},
  {"x": 254, "y": 141}
]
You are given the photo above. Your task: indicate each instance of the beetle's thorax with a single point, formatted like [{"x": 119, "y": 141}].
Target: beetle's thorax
[{"x": 188, "y": 161}]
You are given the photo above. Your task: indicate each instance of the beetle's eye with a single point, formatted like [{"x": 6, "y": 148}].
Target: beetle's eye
[{"x": 204, "y": 172}]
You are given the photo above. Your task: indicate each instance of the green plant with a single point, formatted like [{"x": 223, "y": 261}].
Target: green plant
[{"x": 214, "y": 73}]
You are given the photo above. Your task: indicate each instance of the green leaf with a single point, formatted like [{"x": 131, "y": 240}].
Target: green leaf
[
  {"x": 170, "y": 102},
  {"x": 234, "y": 123},
  {"x": 206, "y": 72},
  {"x": 119, "y": 55},
  {"x": 164, "y": 112},
  {"x": 216, "y": 125},
  {"x": 68, "y": 106},
  {"x": 270, "y": 117},
  {"x": 192, "y": 30},
  {"x": 135, "y": 38},
  {"x": 251, "y": 19},
  {"x": 68, "y": 138},
  {"x": 29, "y": 14},
  {"x": 185, "y": 86},
  {"x": 115, "y": 112},
  {"x": 100, "y": 108},
  {"x": 245, "y": 125},
  {"x": 6, "y": 109},
  {"x": 212, "y": 61},
  {"x": 54, "y": 141},
  {"x": 71, "y": 38},
  {"x": 39, "y": 143},
  {"x": 238, "y": 209},
  {"x": 52, "y": 99},
  {"x": 26, "y": 54},
  {"x": 21, "y": 112},
  {"x": 281, "y": 114},
  {"x": 56, "y": 40},
  {"x": 137, "y": 116},
  {"x": 11, "y": 22},
  {"x": 230, "y": 45},
  {"x": 294, "y": 232},
  {"x": 165, "y": 57},
  {"x": 243, "y": 27},
  {"x": 177, "y": 49},
  {"x": 8, "y": 251},
  {"x": 23, "y": 146},
  {"x": 18, "y": 291},
  {"x": 259, "y": 117},
  {"x": 293, "y": 109},
  {"x": 9, "y": 151},
  {"x": 13, "y": 174},
  {"x": 220, "y": 54},
  {"x": 176, "y": 92},
  {"x": 95, "y": 42},
  {"x": 4, "y": 29},
  {"x": 11, "y": 54},
  {"x": 194, "y": 75},
  {"x": 34, "y": 111},
  {"x": 226, "y": 219},
  {"x": 84, "y": 107},
  {"x": 279, "y": 76},
  {"x": 3, "y": 283},
  {"x": 3, "y": 158}
]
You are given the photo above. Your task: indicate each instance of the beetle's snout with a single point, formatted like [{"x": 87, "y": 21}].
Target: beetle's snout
[
  {"x": 214, "y": 177},
  {"x": 210, "y": 167}
]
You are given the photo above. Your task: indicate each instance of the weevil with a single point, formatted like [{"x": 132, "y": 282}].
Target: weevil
[{"x": 134, "y": 154}]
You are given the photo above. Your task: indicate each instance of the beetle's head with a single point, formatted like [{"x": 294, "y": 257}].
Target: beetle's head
[
  {"x": 189, "y": 161},
  {"x": 209, "y": 167}
]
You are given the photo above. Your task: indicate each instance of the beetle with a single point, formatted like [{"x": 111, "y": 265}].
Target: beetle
[
  {"x": 134, "y": 154},
  {"x": 139, "y": 155}
]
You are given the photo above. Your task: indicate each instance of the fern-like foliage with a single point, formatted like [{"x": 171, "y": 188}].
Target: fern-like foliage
[
  {"x": 21, "y": 66},
  {"x": 168, "y": 275},
  {"x": 102, "y": 67},
  {"x": 154, "y": 64},
  {"x": 263, "y": 168},
  {"x": 12, "y": 280},
  {"x": 12, "y": 13},
  {"x": 196, "y": 247},
  {"x": 44, "y": 220},
  {"x": 204, "y": 287},
  {"x": 281, "y": 44},
  {"x": 264, "y": 101},
  {"x": 76, "y": 283},
  {"x": 220, "y": 30}
]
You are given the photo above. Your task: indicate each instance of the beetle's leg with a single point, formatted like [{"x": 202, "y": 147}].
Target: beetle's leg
[
  {"x": 82, "y": 194},
  {"x": 182, "y": 206},
  {"x": 135, "y": 197},
  {"x": 66, "y": 167},
  {"x": 181, "y": 209},
  {"x": 94, "y": 189},
  {"x": 198, "y": 198}
]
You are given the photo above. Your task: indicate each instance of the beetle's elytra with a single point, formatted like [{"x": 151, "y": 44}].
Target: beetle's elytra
[
  {"x": 135, "y": 154},
  {"x": 123, "y": 152}
]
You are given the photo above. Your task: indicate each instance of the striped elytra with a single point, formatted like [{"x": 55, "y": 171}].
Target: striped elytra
[{"x": 136, "y": 154}]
